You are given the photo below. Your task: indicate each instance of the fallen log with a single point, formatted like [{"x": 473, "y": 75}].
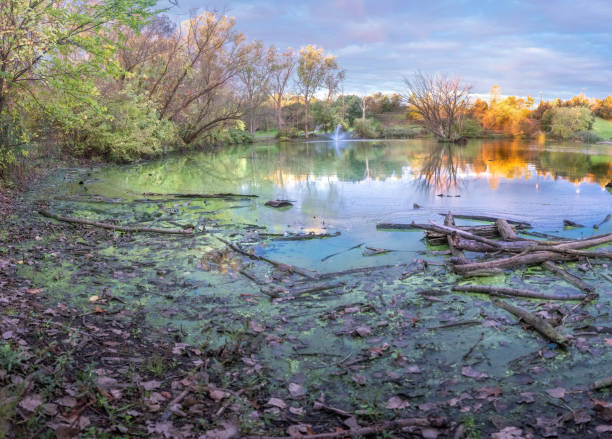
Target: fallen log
[
  {"x": 537, "y": 323},
  {"x": 605, "y": 220},
  {"x": 483, "y": 272},
  {"x": 434, "y": 422},
  {"x": 569, "y": 223},
  {"x": 288, "y": 267},
  {"x": 114, "y": 227},
  {"x": 313, "y": 289},
  {"x": 220, "y": 195},
  {"x": 500, "y": 245},
  {"x": 471, "y": 246},
  {"x": 574, "y": 280},
  {"x": 490, "y": 219},
  {"x": 513, "y": 261},
  {"x": 359, "y": 270},
  {"x": 298, "y": 236},
  {"x": 505, "y": 230},
  {"x": 514, "y": 292},
  {"x": 456, "y": 252}
]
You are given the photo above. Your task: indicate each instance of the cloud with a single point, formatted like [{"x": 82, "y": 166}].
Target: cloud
[{"x": 559, "y": 47}]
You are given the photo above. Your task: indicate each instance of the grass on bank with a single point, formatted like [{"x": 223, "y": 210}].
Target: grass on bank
[{"x": 603, "y": 128}]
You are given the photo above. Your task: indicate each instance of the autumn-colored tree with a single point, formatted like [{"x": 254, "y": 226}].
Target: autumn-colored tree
[
  {"x": 603, "y": 108},
  {"x": 312, "y": 69}
]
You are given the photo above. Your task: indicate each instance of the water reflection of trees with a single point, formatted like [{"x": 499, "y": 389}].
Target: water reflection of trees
[{"x": 439, "y": 169}]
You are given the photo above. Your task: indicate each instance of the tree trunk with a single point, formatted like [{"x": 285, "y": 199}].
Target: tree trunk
[
  {"x": 279, "y": 117},
  {"x": 306, "y": 119}
]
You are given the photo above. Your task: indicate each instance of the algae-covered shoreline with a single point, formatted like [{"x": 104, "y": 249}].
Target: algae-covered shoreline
[{"x": 196, "y": 337}]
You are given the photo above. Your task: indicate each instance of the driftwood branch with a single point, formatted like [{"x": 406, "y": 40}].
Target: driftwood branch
[
  {"x": 537, "y": 323},
  {"x": 574, "y": 280},
  {"x": 287, "y": 267},
  {"x": 502, "y": 291},
  {"x": 221, "y": 195},
  {"x": 114, "y": 227}
]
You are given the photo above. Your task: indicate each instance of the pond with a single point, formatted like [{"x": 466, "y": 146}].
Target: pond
[
  {"x": 349, "y": 187},
  {"x": 190, "y": 286}
]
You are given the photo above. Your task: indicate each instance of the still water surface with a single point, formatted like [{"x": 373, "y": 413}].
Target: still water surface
[{"x": 353, "y": 185}]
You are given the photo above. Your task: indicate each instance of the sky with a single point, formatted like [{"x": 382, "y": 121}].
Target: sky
[{"x": 557, "y": 48}]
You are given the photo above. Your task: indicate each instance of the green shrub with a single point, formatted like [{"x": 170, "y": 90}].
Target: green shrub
[
  {"x": 587, "y": 137},
  {"x": 123, "y": 128},
  {"x": 564, "y": 122},
  {"x": 287, "y": 133},
  {"x": 365, "y": 129},
  {"x": 471, "y": 128},
  {"x": 400, "y": 132}
]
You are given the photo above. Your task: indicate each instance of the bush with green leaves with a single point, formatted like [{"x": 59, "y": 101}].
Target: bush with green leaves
[
  {"x": 400, "y": 132},
  {"x": 587, "y": 137},
  {"x": 122, "y": 128},
  {"x": 366, "y": 129},
  {"x": 564, "y": 122},
  {"x": 471, "y": 128}
]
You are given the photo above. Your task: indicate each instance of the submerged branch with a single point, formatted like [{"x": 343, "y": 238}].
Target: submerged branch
[{"x": 114, "y": 227}]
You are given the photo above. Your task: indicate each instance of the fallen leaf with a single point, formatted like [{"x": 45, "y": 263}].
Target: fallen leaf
[
  {"x": 508, "y": 433},
  {"x": 296, "y": 391},
  {"x": 473, "y": 373},
  {"x": 254, "y": 326},
  {"x": 557, "y": 392},
  {"x": 31, "y": 402},
  {"x": 299, "y": 430},
  {"x": 277, "y": 402},
  {"x": 67, "y": 401},
  {"x": 363, "y": 331},
  {"x": 359, "y": 379},
  {"x": 150, "y": 385},
  {"x": 94, "y": 298},
  {"x": 608, "y": 341},
  {"x": 413, "y": 369},
  {"x": 397, "y": 403},
  {"x": 526, "y": 398},
  {"x": 217, "y": 395},
  {"x": 603, "y": 429}
]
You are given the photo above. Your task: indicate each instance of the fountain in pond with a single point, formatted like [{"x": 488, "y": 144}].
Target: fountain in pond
[{"x": 339, "y": 134}]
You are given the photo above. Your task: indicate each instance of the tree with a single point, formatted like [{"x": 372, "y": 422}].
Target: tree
[
  {"x": 190, "y": 81},
  {"x": 61, "y": 44},
  {"x": 441, "y": 102},
  {"x": 255, "y": 79},
  {"x": 566, "y": 121},
  {"x": 332, "y": 81},
  {"x": 603, "y": 108},
  {"x": 282, "y": 69},
  {"x": 312, "y": 69}
]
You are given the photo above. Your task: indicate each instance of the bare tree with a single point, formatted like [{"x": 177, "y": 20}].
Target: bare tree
[
  {"x": 191, "y": 80},
  {"x": 282, "y": 69},
  {"x": 255, "y": 79},
  {"x": 365, "y": 102},
  {"x": 441, "y": 102}
]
